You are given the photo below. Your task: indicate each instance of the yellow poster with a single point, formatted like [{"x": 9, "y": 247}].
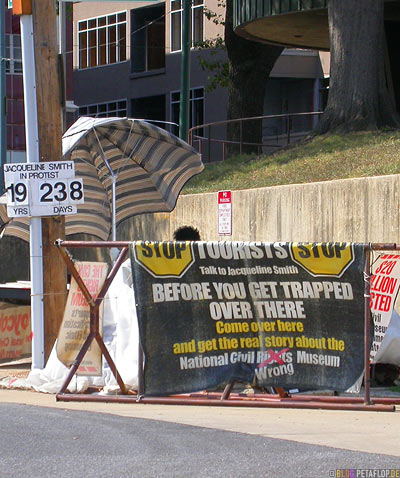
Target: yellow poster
[
  {"x": 75, "y": 326},
  {"x": 15, "y": 331}
]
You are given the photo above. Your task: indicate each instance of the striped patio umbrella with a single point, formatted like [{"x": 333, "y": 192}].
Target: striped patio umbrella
[{"x": 128, "y": 167}]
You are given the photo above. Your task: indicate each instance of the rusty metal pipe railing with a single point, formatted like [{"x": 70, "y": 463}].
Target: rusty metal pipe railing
[
  {"x": 94, "y": 306},
  {"x": 367, "y": 326},
  {"x": 75, "y": 274},
  {"x": 227, "y": 390},
  {"x": 297, "y": 397},
  {"x": 140, "y": 391},
  {"x": 273, "y": 403},
  {"x": 76, "y": 364}
]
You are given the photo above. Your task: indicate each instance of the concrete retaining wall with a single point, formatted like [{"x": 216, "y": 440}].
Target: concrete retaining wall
[{"x": 361, "y": 210}]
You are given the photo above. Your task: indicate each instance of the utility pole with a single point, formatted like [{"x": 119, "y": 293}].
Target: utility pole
[
  {"x": 3, "y": 99},
  {"x": 44, "y": 143},
  {"x": 24, "y": 10},
  {"x": 185, "y": 71},
  {"x": 50, "y": 149}
]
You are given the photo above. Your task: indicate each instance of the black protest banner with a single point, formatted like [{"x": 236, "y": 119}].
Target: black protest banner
[{"x": 271, "y": 314}]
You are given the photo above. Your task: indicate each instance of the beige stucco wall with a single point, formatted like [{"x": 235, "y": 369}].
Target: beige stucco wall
[{"x": 361, "y": 210}]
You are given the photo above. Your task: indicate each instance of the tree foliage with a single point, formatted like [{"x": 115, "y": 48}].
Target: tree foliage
[{"x": 216, "y": 64}]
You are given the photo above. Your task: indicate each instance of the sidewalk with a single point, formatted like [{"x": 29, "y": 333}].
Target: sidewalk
[
  {"x": 16, "y": 368},
  {"x": 372, "y": 432}
]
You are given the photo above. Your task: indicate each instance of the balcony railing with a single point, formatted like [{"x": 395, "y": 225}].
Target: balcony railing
[{"x": 249, "y": 10}]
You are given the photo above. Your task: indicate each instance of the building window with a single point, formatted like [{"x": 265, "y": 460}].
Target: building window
[
  {"x": 197, "y": 27},
  {"x": 105, "y": 110},
  {"x": 102, "y": 40},
  {"x": 197, "y": 22},
  {"x": 147, "y": 38},
  {"x": 150, "y": 108},
  {"x": 196, "y": 108},
  {"x": 13, "y": 54}
]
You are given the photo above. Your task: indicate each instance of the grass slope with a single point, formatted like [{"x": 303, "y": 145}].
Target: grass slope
[{"x": 321, "y": 159}]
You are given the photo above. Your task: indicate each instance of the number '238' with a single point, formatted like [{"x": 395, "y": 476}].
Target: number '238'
[{"x": 61, "y": 191}]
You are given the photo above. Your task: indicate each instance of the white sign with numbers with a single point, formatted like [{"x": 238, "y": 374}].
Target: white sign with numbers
[{"x": 42, "y": 189}]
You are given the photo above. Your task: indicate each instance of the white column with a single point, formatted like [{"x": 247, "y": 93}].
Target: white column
[{"x": 32, "y": 154}]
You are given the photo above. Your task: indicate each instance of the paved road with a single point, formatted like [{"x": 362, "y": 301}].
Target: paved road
[{"x": 52, "y": 442}]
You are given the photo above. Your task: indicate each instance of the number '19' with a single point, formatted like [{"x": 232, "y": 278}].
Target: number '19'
[{"x": 19, "y": 192}]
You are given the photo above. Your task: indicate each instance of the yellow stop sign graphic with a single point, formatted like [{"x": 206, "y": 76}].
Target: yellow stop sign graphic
[
  {"x": 164, "y": 259},
  {"x": 323, "y": 258}
]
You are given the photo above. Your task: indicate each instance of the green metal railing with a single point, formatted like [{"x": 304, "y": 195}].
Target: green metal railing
[{"x": 278, "y": 131}]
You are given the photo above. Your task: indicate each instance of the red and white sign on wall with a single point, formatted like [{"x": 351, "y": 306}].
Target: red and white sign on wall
[
  {"x": 385, "y": 282},
  {"x": 225, "y": 213}
]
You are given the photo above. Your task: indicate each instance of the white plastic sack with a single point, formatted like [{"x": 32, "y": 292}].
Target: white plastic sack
[
  {"x": 120, "y": 314},
  {"x": 52, "y": 377}
]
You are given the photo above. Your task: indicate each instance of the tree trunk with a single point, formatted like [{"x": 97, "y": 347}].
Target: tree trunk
[
  {"x": 358, "y": 94},
  {"x": 250, "y": 64}
]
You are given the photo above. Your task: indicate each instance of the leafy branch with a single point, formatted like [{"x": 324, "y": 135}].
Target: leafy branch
[{"x": 217, "y": 67}]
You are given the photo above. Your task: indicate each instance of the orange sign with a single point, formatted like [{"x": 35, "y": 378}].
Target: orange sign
[
  {"x": 75, "y": 326},
  {"x": 15, "y": 331}
]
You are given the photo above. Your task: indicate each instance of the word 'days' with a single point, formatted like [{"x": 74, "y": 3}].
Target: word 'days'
[
  {"x": 164, "y": 259},
  {"x": 323, "y": 258}
]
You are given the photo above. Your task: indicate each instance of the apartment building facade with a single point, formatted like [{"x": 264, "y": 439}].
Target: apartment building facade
[
  {"x": 14, "y": 107},
  {"x": 127, "y": 62},
  {"x": 124, "y": 59},
  {"x": 15, "y": 129}
]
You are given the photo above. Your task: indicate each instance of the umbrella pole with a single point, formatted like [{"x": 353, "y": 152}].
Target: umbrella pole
[
  {"x": 113, "y": 190},
  {"x": 114, "y": 213}
]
